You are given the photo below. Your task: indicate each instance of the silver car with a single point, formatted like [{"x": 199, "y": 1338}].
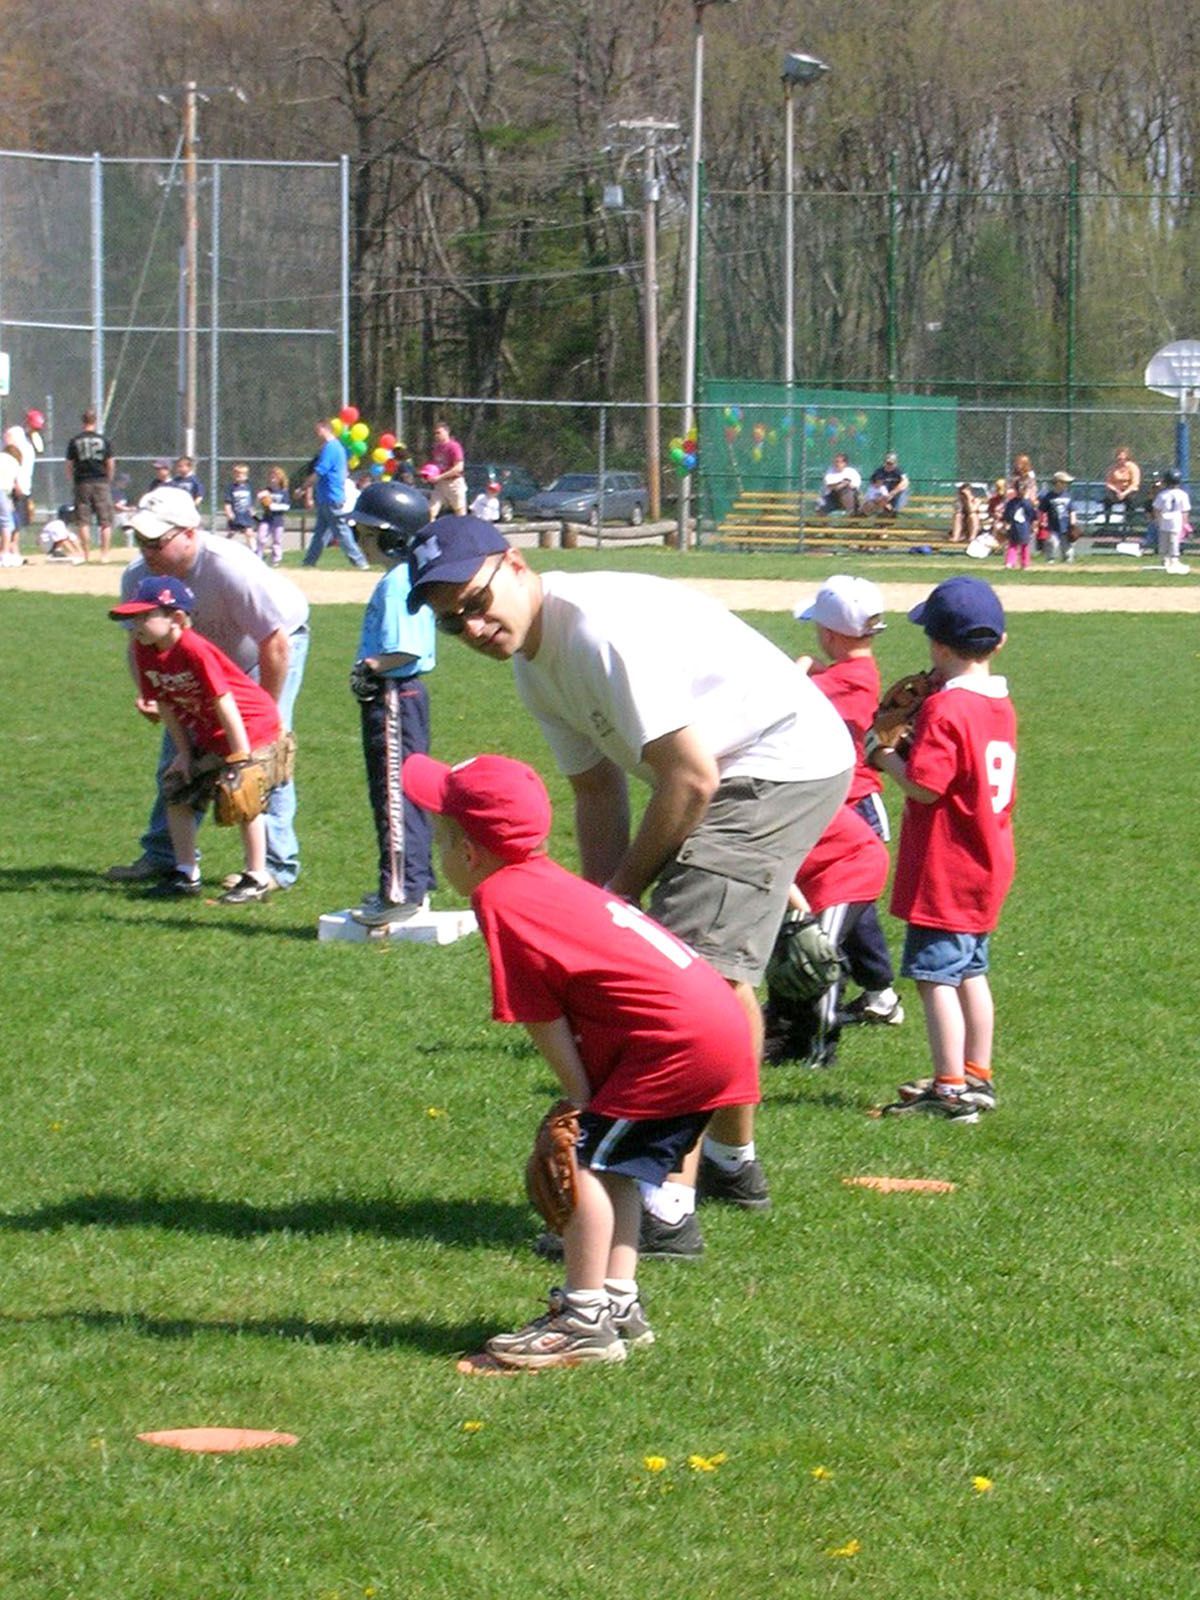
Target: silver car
[{"x": 576, "y": 497}]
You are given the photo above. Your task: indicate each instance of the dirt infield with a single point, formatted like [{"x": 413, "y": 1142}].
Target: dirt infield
[{"x": 345, "y": 586}]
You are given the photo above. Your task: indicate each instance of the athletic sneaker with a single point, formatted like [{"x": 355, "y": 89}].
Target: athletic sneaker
[
  {"x": 565, "y": 1336},
  {"x": 950, "y": 1107},
  {"x": 862, "y": 1010},
  {"x": 631, "y": 1324},
  {"x": 981, "y": 1091},
  {"x": 232, "y": 879},
  {"x": 747, "y": 1187},
  {"x": 376, "y": 912},
  {"x": 246, "y": 890},
  {"x": 678, "y": 1241},
  {"x": 144, "y": 870},
  {"x": 176, "y": 886}
]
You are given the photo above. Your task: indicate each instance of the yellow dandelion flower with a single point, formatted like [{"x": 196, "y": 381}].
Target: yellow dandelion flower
[
  {"x": 471, "y": 1427},
  {"x": 850, "y": 1548},
  {"x": 56, "y": 1127},
  {"x": 435, "y": 1111},
  {"x": 981, "y": 1485},
  {"x": 821, "y": 1474},
  {"x": 654, "y": 1463},
  {"x": 705, "y": 1463}
]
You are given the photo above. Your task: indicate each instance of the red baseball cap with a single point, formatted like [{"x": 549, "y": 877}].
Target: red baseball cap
[{"x": 501, "y": 803}]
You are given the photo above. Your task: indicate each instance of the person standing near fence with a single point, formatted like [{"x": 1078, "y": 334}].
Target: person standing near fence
[
  {"x": 329, "y": 492},
  {"x": 90, "y": 465},
  {"x": 450, "y": 485}
]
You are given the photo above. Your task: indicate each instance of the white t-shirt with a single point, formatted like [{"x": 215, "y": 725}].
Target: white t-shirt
[
  {"x": 1171, "y": 508},
  {"x": 239, "y": 600},
  {"x": 850, "y": 476},
  {"x": 9, "y": 468},
  {"x": 625, "y": 659},
  {"x": 486, "y": 507}
]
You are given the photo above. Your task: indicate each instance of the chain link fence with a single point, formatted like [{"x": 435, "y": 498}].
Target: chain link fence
[{"x": 92, "y": 310}]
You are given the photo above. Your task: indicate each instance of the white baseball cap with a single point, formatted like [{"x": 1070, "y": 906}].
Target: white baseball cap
[
  {"x": 853, "y": 606},
  {"x": 162, "y": 511}
]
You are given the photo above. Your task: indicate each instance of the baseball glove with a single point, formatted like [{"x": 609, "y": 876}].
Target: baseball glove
[
  {"x": 893, "y": 724},
  {"x": 240, "y": 793},
  {"x": 552, "y": 1172},
  {"x": 804, "y": 961},
  {"x": 365, "y": 683}
]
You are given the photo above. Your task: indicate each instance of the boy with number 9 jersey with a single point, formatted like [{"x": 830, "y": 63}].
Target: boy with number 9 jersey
[
  {"x": 955, "y": 862},
  {"x": 641, "y": 1033}
]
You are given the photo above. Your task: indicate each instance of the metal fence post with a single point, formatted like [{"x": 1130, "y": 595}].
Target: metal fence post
[
  {"x": 97, "y": 215},
  {"x": 344, "y": 192},
  {"x": 214, "y": 337},
  {"x": 603, "y": 460}
]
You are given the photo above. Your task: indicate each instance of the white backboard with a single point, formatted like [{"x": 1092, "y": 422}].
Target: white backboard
[{"x": 1175, "y": 370}]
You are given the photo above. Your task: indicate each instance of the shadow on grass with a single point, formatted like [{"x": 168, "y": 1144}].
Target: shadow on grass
[
  {"x": 55, "y": 878},
  {"x": 434, "y": 1339},
  {"x": 460, "y": 1223}
]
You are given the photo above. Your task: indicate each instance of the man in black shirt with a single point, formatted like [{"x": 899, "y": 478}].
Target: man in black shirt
[{"x": 90, "y": 466}]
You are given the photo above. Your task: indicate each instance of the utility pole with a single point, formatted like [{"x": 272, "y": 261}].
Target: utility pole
[{"x": 651, "y": 129}]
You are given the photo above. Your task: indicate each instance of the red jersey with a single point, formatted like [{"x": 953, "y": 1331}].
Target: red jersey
[
  {"x": 847, "y": 866},
  {"x": 661, "y": 1034},
  {"x": 445, "y": 456},
  {"x": 190, "y": 677},
  {"x": 852, "y": 687},
  {"x": 955, "y": 862}
]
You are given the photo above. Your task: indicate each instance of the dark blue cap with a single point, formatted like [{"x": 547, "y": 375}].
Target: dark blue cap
[
  {"x": 157, "y": 594},
  {"x": 452, "y": 551},
  {"x": 962, "y": 613}
]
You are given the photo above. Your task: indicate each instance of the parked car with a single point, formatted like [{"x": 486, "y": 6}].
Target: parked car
[
  {"x": 517, "y": 485},
  {"x": 575, "y": 497}
]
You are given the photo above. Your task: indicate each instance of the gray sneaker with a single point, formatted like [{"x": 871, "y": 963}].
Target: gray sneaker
[
  {"x": 563, "y": 1337},
  {"x": 376, "y": 912},
  {"x": 949, "y": 1107},
  {"x": 747, "y": 1187},
  {"x": 981, "y": 1092},
  {"x": 678, "y": 1241},
  {"x": 144, "y": 870},
  {"x": 631, "y": 1324}
]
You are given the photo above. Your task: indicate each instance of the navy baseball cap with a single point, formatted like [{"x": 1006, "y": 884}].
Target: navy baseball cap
[
  {"x": 962, "y": 612},
  {"x": 157, "y": 594},
  {"x": 453, "y": 551}
]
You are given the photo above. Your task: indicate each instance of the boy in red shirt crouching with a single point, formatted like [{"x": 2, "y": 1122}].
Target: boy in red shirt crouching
[
  {"x": 216, "y": 717},
  {"x": 641, "y": 1033},
  {"x": 956, "y": 862}
]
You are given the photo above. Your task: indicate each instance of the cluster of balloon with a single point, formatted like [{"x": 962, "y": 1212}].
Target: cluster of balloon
[
  {"x": 385, "y": 456},
  {"x": 834, "y": 429},
  {"x": 685, "y": 453}
]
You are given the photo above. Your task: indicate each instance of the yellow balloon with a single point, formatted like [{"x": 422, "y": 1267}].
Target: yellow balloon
[
  {"x": 337, "y": 427},
  {"x": 359, "y": 432},
  {"x": 380, "y": 454}
]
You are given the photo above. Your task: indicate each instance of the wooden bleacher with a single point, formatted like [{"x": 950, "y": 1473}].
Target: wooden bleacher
[{"x": 762, "y": 518}]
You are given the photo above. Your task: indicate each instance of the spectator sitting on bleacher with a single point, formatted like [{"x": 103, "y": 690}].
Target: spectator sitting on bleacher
[
  {"x": 1121, "y": 484},
  {"x": 965, "y": 523},
  {"x": 840, "y": 486},
  {"x": 888, "y": 488}
]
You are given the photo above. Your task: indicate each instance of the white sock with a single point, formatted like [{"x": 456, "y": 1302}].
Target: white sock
[
  {"x": 668, "y": 1202},
  {"x": 729, "y": 1157},
  {"x": 882, "y": 999},
  {"x": 621, "y": 1292},
  {"x": 587, "y": 1300}
]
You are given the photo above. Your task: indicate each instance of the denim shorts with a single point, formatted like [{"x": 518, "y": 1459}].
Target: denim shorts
[
  {"x": 931, "y": 955},
  {"x": 646, "y": 1149}
]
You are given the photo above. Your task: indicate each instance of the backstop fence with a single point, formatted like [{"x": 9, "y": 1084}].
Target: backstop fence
[{"x": 92, "y": 307}]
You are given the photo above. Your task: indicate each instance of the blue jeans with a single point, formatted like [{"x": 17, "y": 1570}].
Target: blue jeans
[
  {"x": 331, "y": 527},
  {"x": 283, "y": 847}
]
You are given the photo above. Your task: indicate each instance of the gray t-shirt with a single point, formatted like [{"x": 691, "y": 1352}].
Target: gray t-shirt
[{"x": 239, "y": 601}]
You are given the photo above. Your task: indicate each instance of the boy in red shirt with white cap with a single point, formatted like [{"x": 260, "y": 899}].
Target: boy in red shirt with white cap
[
  {"x": 641, "y": 1033},
  {"x": 956, "y": 861}
]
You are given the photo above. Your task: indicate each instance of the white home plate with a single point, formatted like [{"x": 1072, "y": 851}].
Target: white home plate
[{"x": 426, "y": 927}]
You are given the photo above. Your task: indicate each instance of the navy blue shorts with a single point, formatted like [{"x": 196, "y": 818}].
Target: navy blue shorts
[{"x": 648, "y": 1149}]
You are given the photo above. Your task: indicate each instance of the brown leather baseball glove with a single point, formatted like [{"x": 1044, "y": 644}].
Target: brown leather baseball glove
[
  {"x": 552, "y": 1172},
  {"x": 898, "y": 707}
]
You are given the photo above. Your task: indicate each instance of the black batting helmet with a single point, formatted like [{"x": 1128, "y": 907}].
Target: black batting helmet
[
  {"x": 1171, "y": 477},
  {"x": 396, "y": 511}
]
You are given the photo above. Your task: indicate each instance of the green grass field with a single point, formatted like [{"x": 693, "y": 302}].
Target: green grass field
[{"x": 257, "y": 1181}]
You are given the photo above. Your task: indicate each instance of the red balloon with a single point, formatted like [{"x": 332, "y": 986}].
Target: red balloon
[
  {"x": 349, "y": 415},
  {"x": 387, "y": 441}
]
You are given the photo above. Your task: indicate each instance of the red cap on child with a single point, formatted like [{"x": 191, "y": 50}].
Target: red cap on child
[{"x": 500, "y": 803}]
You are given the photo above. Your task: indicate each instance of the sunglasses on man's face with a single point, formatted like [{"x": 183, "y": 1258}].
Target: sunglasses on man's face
[{"x": 475, "y": 605}]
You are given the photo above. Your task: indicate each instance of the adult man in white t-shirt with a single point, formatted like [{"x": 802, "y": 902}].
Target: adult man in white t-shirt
[
  {"x": 745, "y": 758},
  {"x": 840, "y": 486}
]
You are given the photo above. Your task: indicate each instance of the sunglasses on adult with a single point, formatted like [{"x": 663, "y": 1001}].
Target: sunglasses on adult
[{"x": 475, "y": 605}]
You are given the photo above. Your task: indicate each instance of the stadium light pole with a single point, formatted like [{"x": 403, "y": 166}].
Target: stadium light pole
[{"x": 693, "y": 256}]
